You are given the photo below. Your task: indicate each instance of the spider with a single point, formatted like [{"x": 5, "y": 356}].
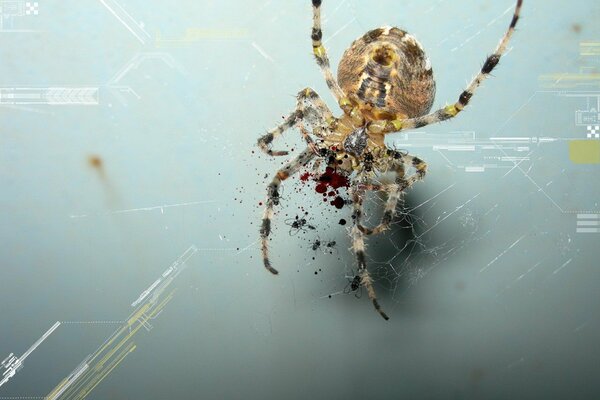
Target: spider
[
  {"x": 317, "y": 244},
  {"x": 298, "y": 225},
  {"x": 384, "y": 84},
  {"x": 353, "y": 286}
]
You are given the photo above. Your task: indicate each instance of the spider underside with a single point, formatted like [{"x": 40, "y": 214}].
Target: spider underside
[{"x": 384, "y": 84}]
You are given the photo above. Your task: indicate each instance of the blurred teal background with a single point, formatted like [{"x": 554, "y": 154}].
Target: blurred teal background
[{"x": 492, "y": 292}]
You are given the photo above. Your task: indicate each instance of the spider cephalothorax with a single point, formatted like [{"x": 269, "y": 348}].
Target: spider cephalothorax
[{"x": 385, "y": 84}]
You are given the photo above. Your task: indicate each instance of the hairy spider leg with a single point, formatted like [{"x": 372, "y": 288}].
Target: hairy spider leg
[
  {"x": 358, "y": 246},
  {"x": 309, "y": 108},
  {"x": 321, "y": 54},
  {"x": 273, "y": 199},
  {"x": 463, "y": 100},
  {"x": 316, "y": 168},
  {"x": 316, "y": 113},
  {"x": 394, "y": 191}
]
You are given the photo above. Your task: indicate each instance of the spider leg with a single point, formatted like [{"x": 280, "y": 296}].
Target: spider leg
[
  {"x": 265, "y": 141},
  {"x": 394, "y": 191},
  {"x": 452, "y": 110},
  {"x": 358, "y": 245},
  {"x": 273, "y": 199},
  {"x": 316, "y": 166},
  {"x": 309, "y": 108},
  {"x": 321, "y": 54}
]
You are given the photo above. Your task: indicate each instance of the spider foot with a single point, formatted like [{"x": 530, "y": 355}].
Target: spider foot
[
  {"x": 269, "y": 267},
  {"x": 277, "y": 153},
  {"x": 379, "y": 310}
]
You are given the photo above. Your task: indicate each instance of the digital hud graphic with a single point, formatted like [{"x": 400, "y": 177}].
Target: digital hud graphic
[{"x": 156, "y": 156}]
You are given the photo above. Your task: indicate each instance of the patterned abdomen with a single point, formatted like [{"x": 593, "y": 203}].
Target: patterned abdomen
[{"x": 387, "y": 69}]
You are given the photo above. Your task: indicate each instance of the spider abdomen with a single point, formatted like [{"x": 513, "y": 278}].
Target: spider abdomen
[{"x": 387, "y": 71}]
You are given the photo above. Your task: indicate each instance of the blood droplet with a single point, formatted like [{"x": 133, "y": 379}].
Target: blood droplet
[
  {"x": 338, "y": 202},
  {"x": 305, "y": 176}
]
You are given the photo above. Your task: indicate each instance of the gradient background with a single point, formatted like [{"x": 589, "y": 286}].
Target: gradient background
[{"x": 471, "y": 316}]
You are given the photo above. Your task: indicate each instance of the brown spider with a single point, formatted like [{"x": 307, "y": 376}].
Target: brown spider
[{"x": 385, "y": 84}]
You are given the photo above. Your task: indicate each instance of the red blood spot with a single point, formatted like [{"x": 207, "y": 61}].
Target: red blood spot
[
  {"x": 329, "y": 182},
  {"x": 338, "y": 202},
  {"x": 304, "y": 177},
  {"x": 331, "y": 178},
  {"x": 260, "y": 203}
]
